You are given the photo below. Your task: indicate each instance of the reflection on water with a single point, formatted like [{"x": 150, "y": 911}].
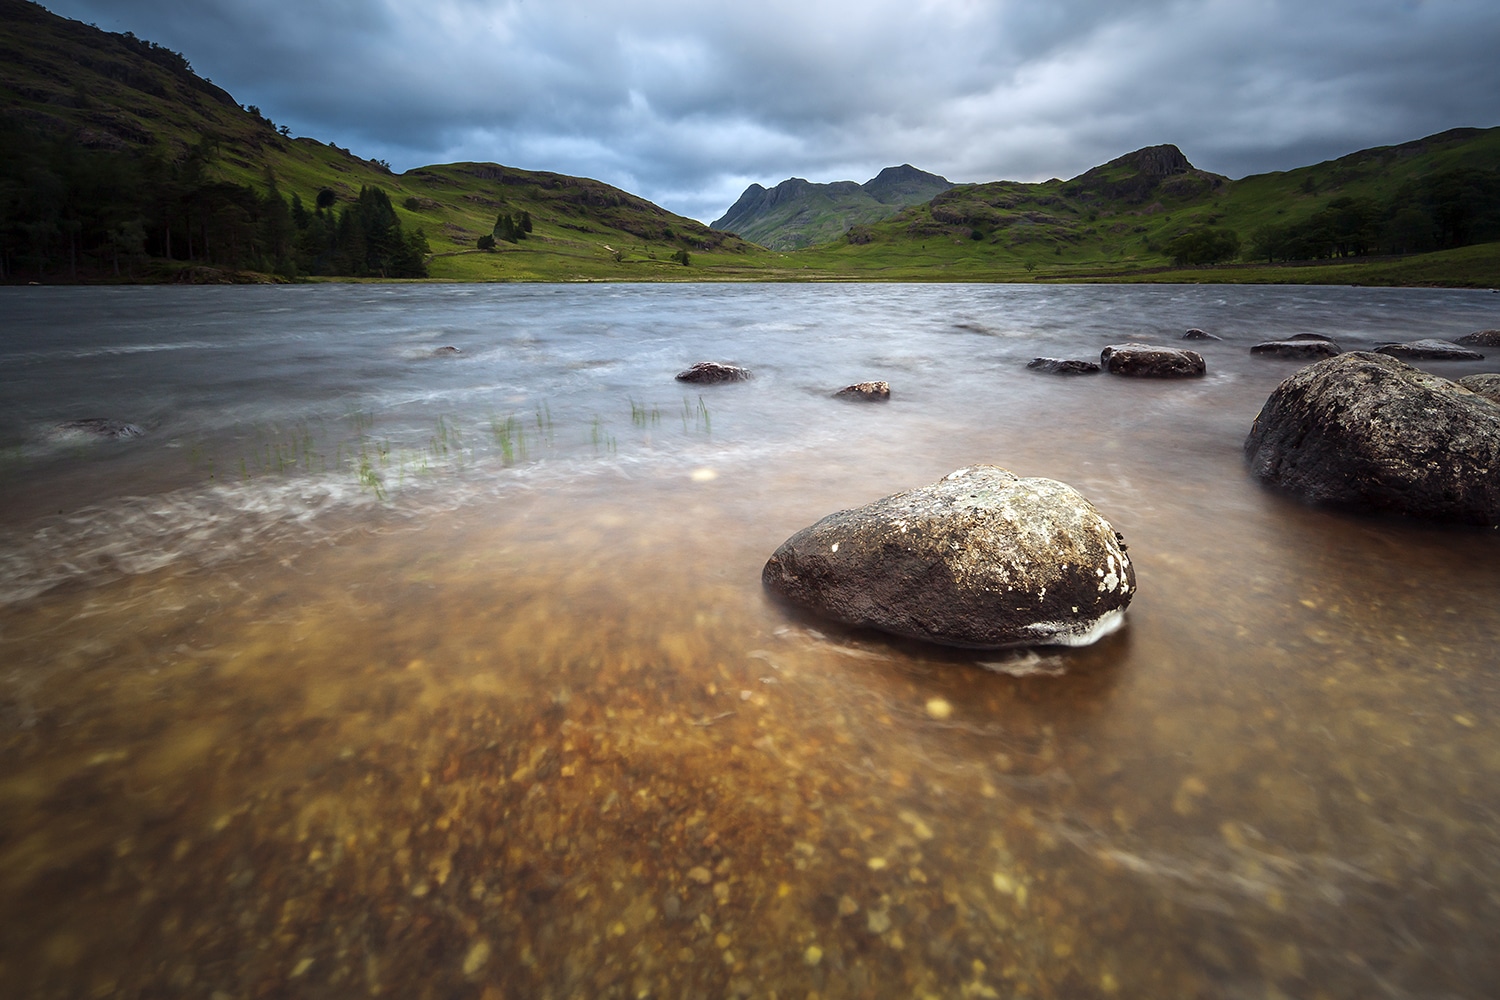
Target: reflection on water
[{"x": 530, "y": 727}]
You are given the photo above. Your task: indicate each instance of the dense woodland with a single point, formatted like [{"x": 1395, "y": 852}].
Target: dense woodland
[
  {"x": 67, "y": 212},
  {"x": 1451, "y": 209}
]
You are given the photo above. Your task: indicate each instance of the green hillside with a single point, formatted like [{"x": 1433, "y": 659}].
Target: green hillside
[
  {"x": 797, "y": 213},
  {"x": 119, "y": 163},
  {"x": 118, "y": 160}
]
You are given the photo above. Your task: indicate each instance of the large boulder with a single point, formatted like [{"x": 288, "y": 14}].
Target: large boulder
[
  {"x": 1487, "y": 385},
  {"x": 1480, "y": 338},
  {"x": 1063, "y": 366},
  {"x": 1369, "y": 432},
  {"x": 1430, "y": 350},
  {"x": 709, "y": 372},
  {"x": 981, "y": 558},
  {"x": 1146, "y": 361},
  {"x": 1298, "y": 347}
]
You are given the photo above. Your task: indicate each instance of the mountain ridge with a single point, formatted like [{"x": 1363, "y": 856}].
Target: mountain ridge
[{"x": 798, "y": 213}]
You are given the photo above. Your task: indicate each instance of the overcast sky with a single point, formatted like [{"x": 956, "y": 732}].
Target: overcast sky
[{"x": 686, "y": 103}]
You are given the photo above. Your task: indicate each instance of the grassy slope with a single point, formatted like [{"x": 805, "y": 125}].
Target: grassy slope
[{"x": 69, "y": 78}]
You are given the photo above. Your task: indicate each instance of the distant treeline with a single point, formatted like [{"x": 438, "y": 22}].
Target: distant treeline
[
  {"x": 1445, "y": 210},
  {"x": 68, "y": 212}
]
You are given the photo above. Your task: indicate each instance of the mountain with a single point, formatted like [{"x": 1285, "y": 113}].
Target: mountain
[
  {"x": 1152, "y": 207},
  {"x": 797, "y": 213},
  {"x": 117, "y": 160}
]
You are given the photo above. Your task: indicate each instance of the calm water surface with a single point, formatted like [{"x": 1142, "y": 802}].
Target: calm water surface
[{"x": 367, "y": 671}]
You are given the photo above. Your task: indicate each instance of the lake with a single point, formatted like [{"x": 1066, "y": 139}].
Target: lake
[{"x": 369, "y": 669}]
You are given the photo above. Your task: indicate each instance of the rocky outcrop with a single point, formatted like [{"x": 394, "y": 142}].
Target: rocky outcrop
[
  {"x": 869, "y": 392},
  {"x": 1481, "y": 338},
  {"x": 1304, "y": 347},
  {"x": 709, "y": 372},
  {"x": 1063, "y": 366},
  {"x": 1368, "y": 432},
  {"x": 1197, "y": 334},
  {"x": 1430, "y": 350},
  {"x": 981, "y": 558},
  {"x": 1145, "y": 361},
  {"x": 1487, "y": 385}
]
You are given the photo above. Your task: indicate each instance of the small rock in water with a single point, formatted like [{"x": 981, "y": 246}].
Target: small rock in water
[
  {"x": 1487, "y": 385},
  {"x": 102, "y": 427},
  {"x": 1147, "y": 361},
  {"x": 1063, "y": 366},
  {"x": 1196, "y": 334},
  {"x": 443, "y": 352},
  {"x": 870, "y": 392},
  {"x": 1301, "y": 346},
  {"x": 1430, "y": 350},
  {"x": 1482, "y": 338},
  {"x": 981, "y": 558},
  {"x": 709, "y": 372}
]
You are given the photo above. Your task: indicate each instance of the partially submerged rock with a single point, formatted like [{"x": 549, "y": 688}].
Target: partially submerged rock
[
  {"x": 1147, "y": 361},
  {"x": 1487, "y": 385},
  {"x": 1298, "y": 347},
  {"x": 1063, "y": 366},
  {"x": 981, "y": 558},
  {"x": 444, "y": 352},
  {"x": 870, "y": 392},
  {"x": 1367, "y": 432},
  {"x": 1430, "y": 350},
  {"x": 1481, "y": 338},
  {"x": 707, "y": 372},
  {"x": 101, "y": 427},
  {"x": 1194, "y": 333}
]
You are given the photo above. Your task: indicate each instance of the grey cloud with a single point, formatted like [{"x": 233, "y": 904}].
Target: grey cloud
[{"x": 685, "y": 103}]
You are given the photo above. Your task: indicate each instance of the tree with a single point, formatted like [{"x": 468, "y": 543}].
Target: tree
[
  {"x": 1205, "y": 245},
  {"x": 485, "y": 242},
  {"x": 327, "y": 198}
]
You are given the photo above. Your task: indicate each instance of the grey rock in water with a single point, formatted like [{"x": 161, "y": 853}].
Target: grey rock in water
[
  {"x": 1430, "y": 350},
  {"x": 1368, "y": 432},
  {"x": 1196, "y": 334},
  {"x": 1308, "y": 336},
  {"x": 102, "y": 427},
  {"x": 709, "y": 372},
  {"x": 980, "y": 559},
  {"x": 868, "y": 392},
  {"x": 444, "y": 352},
  {"x": 1063, "y": 366},
  {"x": 1487, "y": 385},
  {"x": 1480, "y": 338},
  {"x": 1300, "y": 347},
  {"x": 1147, "y": 361}
]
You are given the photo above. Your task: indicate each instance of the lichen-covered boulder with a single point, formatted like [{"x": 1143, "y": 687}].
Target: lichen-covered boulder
[
  {"x": 709, "y": 372},
  {"x": 1430, "y": 350},
  {"x": 1480, "y": 338},
  {"x": 981, "y": 558},
  {"x": 868, "y": 392},
  {"x": 1146, "y": 361},
  {"x": 1368, "y": 432},
  {"x": 1487, "y": 385},
  {"x": 1063, "y": 366},
  {"x": 1298, "y": 347}
]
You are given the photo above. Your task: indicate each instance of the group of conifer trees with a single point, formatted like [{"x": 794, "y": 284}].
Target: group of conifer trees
[
  {"x": 508, "y": 228},
  {"x": 69, "y": 213}
]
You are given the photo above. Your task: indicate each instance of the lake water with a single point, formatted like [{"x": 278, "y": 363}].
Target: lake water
[{"x": 369, "y": 671}]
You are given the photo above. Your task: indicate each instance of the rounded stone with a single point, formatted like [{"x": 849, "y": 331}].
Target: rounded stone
[
  {"x": 870, "y": 392},
  {"x": 982, "y": 559},
  {"x": 1196, "y": 334},
  {"x": 1480, "y": 338},
  {"x": 1430, "y": 350},
  {"x": 1298, "y": 347},
  {"x": 709, "y": 372},
  {"x": 1147, "y": 361},
  {"x": 1063, "y": 366},
  {"x": 1368, "y": 432}
]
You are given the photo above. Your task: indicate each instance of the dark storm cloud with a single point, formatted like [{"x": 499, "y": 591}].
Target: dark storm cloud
[{"x": 687, "y": 102}]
